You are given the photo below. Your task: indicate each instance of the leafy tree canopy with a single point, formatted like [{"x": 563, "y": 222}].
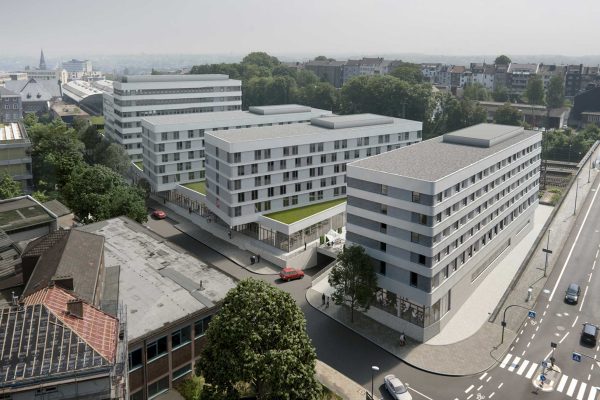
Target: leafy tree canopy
[
  {"x": 535, "y": 90},
  {"x": 408, "y": 72},
  {"x": 476, "y": 91},
  {"x": 508, "y": 115},
  {"x": 502, "y": 60},
  {"x": 500, "y": 94},
  {"x": 259, "y": 338},
  {"x": 353, "y": 279},
  {"x": 9, "y": 188},
  {"x": 261, "y": 59},
  {"x": 556, "y": 92}
]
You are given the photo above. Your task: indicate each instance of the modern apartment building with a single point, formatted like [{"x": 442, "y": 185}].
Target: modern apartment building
[
  {"x": 518, "y": 76},
  {"x": 437, "y": 217},
  {"x": 138, "y": 96},
  {"x": 15, "y": 153},
  {"x": 173, "y": 145},
  {"x": 253, "y": 173},
  {"x": 77, "y": 65},
  {"x": 330, "y": 71}
]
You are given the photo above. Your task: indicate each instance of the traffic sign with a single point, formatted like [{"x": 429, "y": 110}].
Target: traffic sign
[
  {"x": 545, "y": 364},
  {"x": 531, "y": 314},
  {"x": 576, "y": 357},
  {"x": 542, "y": 378}
]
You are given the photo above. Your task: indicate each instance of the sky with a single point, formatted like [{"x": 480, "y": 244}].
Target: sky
[{"x": 456, "y": 27}]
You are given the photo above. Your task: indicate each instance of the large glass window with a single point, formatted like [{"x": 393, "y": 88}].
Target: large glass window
[
  {"x": 158, "y": 387},
  {"x": 135, "y": 359},
  {"x": 181, "y": 336},
  {"x": 201, "y": 326},
  {"x": 156, "y": 349}
]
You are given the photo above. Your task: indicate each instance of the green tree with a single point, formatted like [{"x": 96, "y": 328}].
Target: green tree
[
  {"x": 500, "y": 94},
  {"x": 476, "y": 91},
  {"x": 191, "y": 388},
  {"x": 535, "y": 90},
  {"x": 502, "y": 60},
  {"x": 96, "y": 193},
  {"x": 305, "y": 77},
  {"x": 408, "y": 72},
  {"x": 30, "y": 120},
  {"x": 353, "y": 279},
  {"x": 40, "y": 196},
  {"x": 322, "y": 58},
  {"x": 261, "y": 59},
  {"x": 259, "y": 338},
  {"x": 556, "y": 92},
  {"x": 319, "y": 95},
  {"x": 113, "y": 156},
  {"x": 508, "y": 115},
  {"x": 452, "y": 114},
  {"x": 9, "y": 188}
]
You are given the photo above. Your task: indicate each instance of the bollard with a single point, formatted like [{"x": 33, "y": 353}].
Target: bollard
[{"x": 529, "y": 291}]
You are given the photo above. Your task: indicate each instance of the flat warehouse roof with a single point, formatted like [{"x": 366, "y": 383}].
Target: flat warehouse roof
[
  {"x": 359, "y": 123},
  {"x": 434, "y": 159}
]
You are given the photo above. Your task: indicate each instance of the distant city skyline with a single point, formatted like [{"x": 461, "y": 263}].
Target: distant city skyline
[{"x": 230, "y": 27}]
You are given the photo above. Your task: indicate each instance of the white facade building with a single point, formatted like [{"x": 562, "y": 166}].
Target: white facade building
[
  {"x": 135, "y": 97},
  {"x": 438, "y": 216},
  {"x": 252, "y": 173},
  {"x": 77, "y": 65},
  {"x": 173, "y": 145}
]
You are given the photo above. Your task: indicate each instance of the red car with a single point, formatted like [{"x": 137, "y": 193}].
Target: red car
[
  {"x": 159, "y": 214},
  {"x": 289, "y": 273}
]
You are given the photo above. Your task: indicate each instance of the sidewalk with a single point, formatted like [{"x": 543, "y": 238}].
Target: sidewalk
[
  {"x": 338, "y": 383},
  {"x": 477, "y": 347}
]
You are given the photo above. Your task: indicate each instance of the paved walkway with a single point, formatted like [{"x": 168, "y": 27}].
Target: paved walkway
[
  {"x": 338, "y": 383},
  {"x": 477, "y": 348}
]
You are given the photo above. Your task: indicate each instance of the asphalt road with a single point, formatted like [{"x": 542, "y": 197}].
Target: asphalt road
[{"x": 556, "y": 321}]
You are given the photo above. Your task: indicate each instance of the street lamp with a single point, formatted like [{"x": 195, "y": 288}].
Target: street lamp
[
  {"x": 576, "y": 191},
  {"x": 547, "y": 251},
  {"x": 374, "y": 369}
]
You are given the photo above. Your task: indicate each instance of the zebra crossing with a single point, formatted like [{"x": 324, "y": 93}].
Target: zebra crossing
[{"x": 566, "y": 384}]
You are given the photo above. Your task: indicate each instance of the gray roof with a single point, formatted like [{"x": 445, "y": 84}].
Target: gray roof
[
  {"x": 270, "y": 114},
  {"x": 349, "y": 123},
  {"x": 172, "y": 78},
  {"x": 33, "y": 90},
  {"x": 6, "y": 92},
  {"x": 58, "y": 208},
  {"x": 483, "y": 135},
  {"x": 434, "y": 159},
  {"x": 158, "y": 281},
  {"x": 21, "y": 212}
]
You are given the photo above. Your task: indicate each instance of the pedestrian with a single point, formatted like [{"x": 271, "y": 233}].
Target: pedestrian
[
  {"x": 402, "y": 339},
  {"x": 258, "y": 258},
  {"x": 304, "y": 246},
  {"x": 327, "y": 305},
  {"x": 229, "y": 234},
  {"x": 323, "y": 299}
]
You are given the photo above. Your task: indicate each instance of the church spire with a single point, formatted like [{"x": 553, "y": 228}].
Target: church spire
[{"x": 42, "y": 60}]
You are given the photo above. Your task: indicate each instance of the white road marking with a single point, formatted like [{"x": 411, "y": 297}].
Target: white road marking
[
  {"x": 589, "y": 376},
  {"x": 590, "y": 278},
  {"x": 541, "y": 320},
  {"x": 544, "y": 313},
  {"x": 469, "y": 388},
  {"x": 523, "y": 366},
  {"x": 492, "y": 394},
  {"x": 583, "y": 298},
  {"x": 574, "y": 322},
  {"x": 562, "y": 271},
  {"x": 500, "y": 385},
  {"x": 523, "y": 353},
  {"x": 532, "y": 336},
  {"x": 581, "y": 391},
  {"x": 537, "y": 328},
  {"x": 479, "y": 388},
  {"x": 528, "y": 344},
  {"x": 514, "y": 364},
  {"x": 517, "y": 340},
  {"x": 483, "y": 376},
  {"x": 512, "y": 348},
  {"x": 561, "y": 383},
  {"x": 564, "y": 337},
  {"x": 547, "y": 305},
  {"x": 489, "y": 378},
  {"x": 592, "y": 395},
  {"x": 417, "y": 392},
  {"x": 471, "y": 395},
  {"x": 572, "y": 387},
  {"x": 531, "y": 370}
]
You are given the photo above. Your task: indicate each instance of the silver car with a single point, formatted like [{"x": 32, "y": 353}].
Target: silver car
[{"x": 396, "y": 388}]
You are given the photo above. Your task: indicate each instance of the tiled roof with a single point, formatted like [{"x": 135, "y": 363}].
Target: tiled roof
[{"x": 38, "y": 339}]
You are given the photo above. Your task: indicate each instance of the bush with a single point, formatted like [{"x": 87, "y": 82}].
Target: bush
[{"x": 191, "y": 388}]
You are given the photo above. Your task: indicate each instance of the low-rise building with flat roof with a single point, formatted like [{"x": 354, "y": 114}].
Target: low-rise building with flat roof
[
  {"x": 285, "y": 185},
  {"x": 170, "y": 297},
  {"x": 438, "y": 216},
  {"x": 68, "y": 112},
  {"x": 24, "y": 218},
  {"x": 15, "y": 154}
]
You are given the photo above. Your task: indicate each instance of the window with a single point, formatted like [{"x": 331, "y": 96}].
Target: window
[
  {"x": 271, "y": 166},
  {"x": 282, "y": 189},
  {"x": 257, "y": 155},
  {"x": 286, "y": 201},
  {"x": 413, "y": 279},
  {"x": 201, "y": 326},
  {"x": 415, "y": 237},
  {"x": 286, "y": 151},
  {"x": 382, "y": 267},
  {"x": 416, "y": 197},
  {"x": 382, "y": 246},
  {"x": 384, "y": 208},
  {"x": 241, "y": 170},
  {"x": 267, "y": 205},
  {"x": 254, "y": 169},
  {"x": 156, "y": 349},
  {"x": 181, "y": 336},
  {"x": 422, "y": 219},
  {"x": 294, "y": 200},
  {"x": 282, "y": 164},
  {"x": 241, "y": 197},
  {"x": 270, "y": 192},
  {"x": 135, "y": 359},
  {"x": 267, "y": 153},
  {"x": 254, "y": 195},
  {"x": 309, "y": 160},
  {"x": 237, "y": 157},
  {"x": 294, "y": 150},
  {"x": 384, "y": 190},
  {"x": 422, "y": 259},
  {"x": 158, "y": 387},
  {"x": 323, "y": 182},
  {"x": 257, "y": 181},
  {"x": 178, "y": 373}
]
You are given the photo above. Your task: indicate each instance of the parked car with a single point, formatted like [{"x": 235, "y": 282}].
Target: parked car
[
  {"x": 159, "y": 214},
  {"x": 289, "y": 274},
  {"x": 396, "y": 388},
  {"x": 589, "y": 334},
  {"x": 572, "y": 294}
]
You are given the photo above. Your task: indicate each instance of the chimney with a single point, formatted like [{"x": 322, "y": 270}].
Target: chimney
[{"x": 75, "y": 308}]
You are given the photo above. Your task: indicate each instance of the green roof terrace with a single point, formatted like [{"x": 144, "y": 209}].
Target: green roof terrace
[
  {"x": 199, "y": 187},
  {"x": 296, "y": 214}
]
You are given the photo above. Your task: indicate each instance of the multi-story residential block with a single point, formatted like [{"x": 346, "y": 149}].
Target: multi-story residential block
[
  {"x": 430, "y": 72},
  {"x": 77, "y": 65},
  {"x": 15, "y": 153},
  {"x": 367, "y": 66},
  {"x": 135, "y": 97},
  {"x": 573, "y": 80},
  {"x": 173, "y": 145},
  {"x": 501, "y": 78},
  {"x": 483, "y": 74},
  {"x": 518, "y": 76},
  {"x": 445, "y": 75},
  {"x": 253, "y": 173},
  {"x": 170, "y": 298},
  {"x": 438, "y": 216},
  {"x": 547, "y": 72},
  {"x": 330, "y": 71},
  {"x": 11, "y": 108},
  {"x": 458, "y": 76}
]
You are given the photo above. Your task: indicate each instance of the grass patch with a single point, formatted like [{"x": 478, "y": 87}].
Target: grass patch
[
  {"x": 97, "y": 120},
  {"x": 139, "y": 165},
  {"x": 199, "y": 187},
  {"x": 296, "y": 214},
  {"x": 8, "y": 217}
]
